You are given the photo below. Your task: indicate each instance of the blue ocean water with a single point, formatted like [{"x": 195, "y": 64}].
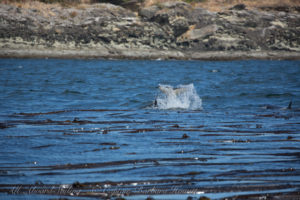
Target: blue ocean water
[{"x": 66, "y": 121}]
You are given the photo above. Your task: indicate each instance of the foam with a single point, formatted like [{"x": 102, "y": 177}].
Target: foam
[{"x": 180, "y": 97}]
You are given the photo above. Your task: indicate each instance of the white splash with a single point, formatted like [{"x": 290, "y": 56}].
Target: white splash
[{"x": 180, "y": 97}]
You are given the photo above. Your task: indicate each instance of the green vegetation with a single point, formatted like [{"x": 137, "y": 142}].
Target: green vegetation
[{"x": 195, "y": 1}]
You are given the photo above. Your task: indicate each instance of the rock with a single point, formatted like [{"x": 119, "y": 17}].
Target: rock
[
  {"x": 148, "y": 13},
  {"x": 240, "y": 6},
  {"x": 180, "y": 25},
  {"x": 133, "y": 5},
  {"x": 161, "y": 18},
  {"x": 199, "y": 33},
  {"x": 176, "y": 5},
  {"x": 173, "y": 27}
]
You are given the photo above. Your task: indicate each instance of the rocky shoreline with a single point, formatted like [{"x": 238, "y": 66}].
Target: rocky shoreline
[
  {"x": 172, "y": 30},
  {"x": 148, "y": 55}
]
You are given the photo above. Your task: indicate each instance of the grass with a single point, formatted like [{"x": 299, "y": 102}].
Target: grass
[
  {"x": 46, "y": 8},
  {"x": 195, "y": 1},
  {"x": 212, "y": 5},
  {"x": 219, "y": 5},
  {"x": 64, "y": 3}
]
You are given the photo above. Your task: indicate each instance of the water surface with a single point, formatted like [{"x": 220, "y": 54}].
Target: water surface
[{"x": 90, "y": 125}]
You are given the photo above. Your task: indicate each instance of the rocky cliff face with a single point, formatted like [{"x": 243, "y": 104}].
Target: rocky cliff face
[{"x": 172, "y": 26}]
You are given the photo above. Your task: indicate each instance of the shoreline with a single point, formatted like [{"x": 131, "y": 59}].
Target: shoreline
[
  {"x": 147, "y": 54},
  {"x": 171, "y": 31}
]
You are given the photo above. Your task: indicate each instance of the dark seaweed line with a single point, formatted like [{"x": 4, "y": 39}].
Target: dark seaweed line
[
  {"x": 75, "y": 110},
  {"x": 254, "y": 181},
  {"x": 104, "y": 164},
  {"x": 80, "y": 122},
  {"x": 232, "y": 176},
  {"x": 155, "y": 162}
]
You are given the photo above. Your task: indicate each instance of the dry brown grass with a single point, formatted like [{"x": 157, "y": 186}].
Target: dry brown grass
[
  {"x": 31, "y": 5},
  {"x": 41, "y": 7},
  {"x": 212, "y": 5},
  {"x": 45, "y": 8},
  {"x": 154, "y": 2},
  {"x": 219, "y": 5}
]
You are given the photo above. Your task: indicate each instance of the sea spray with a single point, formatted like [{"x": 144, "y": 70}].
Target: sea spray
[{"x": 180, "y": 97}]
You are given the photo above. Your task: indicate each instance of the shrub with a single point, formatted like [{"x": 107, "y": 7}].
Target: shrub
[
  {"x": 195, "y": 1},
  {"x": 73, "y": 14}
]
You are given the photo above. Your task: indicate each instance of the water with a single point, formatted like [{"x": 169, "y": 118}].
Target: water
[
  {"x": 180, "y": 97},
  {"x": 95, "y": 124}
]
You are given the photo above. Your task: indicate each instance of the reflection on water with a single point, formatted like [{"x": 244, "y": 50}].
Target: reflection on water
[{"x": 89, "y": 128}]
